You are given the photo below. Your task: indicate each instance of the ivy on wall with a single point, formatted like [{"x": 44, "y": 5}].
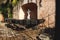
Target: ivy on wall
[{"x": 7, "y": 8}]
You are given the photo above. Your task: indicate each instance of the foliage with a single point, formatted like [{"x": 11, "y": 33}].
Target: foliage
[
  {"x": 14, "y": 2},
  {"x": 7, "y": 8}
]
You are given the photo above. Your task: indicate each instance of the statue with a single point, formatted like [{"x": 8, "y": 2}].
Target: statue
[{"x": 28, "y": 12}]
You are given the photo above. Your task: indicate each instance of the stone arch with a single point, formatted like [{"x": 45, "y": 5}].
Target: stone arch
[{"x": 32, "y": 7}]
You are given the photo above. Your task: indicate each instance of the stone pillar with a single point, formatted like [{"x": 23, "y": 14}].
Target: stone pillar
[
  {"x": 15, "y": 12},
  {"x": 38, "y": 9}
]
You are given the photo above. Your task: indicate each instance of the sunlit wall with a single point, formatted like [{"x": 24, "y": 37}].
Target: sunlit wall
[{"x": 47, "y": 11}]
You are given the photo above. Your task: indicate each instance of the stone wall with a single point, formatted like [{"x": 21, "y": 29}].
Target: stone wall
[
  {"x": 48, "y": 8},
  {"x": 47, "y": 11}
]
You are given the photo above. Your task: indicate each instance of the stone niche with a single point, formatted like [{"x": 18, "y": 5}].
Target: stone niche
[
  {"x": 25, "y": 6},
  {"x": 33, "y": 10}
]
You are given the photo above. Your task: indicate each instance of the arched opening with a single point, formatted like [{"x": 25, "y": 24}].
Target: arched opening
[{"x": 33, "y": 10}]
